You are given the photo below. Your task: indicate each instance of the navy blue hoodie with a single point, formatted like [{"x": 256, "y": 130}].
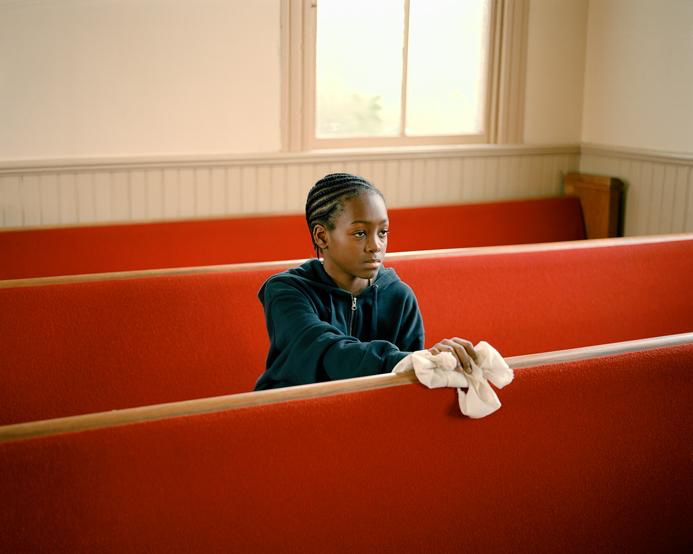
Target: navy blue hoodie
[{"x": 319, "y": 332}]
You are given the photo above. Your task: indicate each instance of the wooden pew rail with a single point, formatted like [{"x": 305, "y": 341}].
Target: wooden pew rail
[{"x": 113, "y": 418}]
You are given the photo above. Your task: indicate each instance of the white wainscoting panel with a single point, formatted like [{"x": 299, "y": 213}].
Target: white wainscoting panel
[
  {"x": 659, "y": 187},
  {"x": 80, "y": 192}
]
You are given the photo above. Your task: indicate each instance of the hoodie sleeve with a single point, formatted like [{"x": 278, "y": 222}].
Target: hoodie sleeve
[
  {"x": 308, "y": 350},
  {"x": 410, "y": 335}
]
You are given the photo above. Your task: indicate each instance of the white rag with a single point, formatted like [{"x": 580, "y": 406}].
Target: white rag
[{"x": 440, "y": 370}]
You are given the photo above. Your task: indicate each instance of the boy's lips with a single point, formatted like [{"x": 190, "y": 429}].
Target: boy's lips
[{"x": 372, "y": 262}]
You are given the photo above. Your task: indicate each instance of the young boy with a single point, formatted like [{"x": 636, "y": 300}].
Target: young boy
[{"x": 345, "y": 315}]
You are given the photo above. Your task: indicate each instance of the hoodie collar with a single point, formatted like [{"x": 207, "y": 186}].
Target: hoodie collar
[{"x": 314, "y": 270}]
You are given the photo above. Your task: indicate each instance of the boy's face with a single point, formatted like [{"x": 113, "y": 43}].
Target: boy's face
[{"x": 356, "y": 246}]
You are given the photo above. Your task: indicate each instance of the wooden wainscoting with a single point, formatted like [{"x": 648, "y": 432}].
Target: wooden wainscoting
[
  {"x": 658, "y": 186},
  {"x": 100, "y": 191}
]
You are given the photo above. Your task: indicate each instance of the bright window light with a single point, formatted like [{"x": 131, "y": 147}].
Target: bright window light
[
  {"x": 360, "y": 47},
  {"x": 446, "y": 78},
  {"x": 359, "y": 68}
]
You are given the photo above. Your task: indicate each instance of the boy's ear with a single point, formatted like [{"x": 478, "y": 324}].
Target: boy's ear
[{"x": 320, "y": 236}]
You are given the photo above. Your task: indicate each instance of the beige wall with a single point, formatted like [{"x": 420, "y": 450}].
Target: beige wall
[
  {"x": 555, "y": 71},
  {"x": 114, "y": 78},
  {"x": 639, "y": 74},
  {"x": 122, "y": 77}
]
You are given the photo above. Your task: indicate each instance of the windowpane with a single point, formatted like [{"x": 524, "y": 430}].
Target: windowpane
[
  {"x": 359, "y": 68},
  {"x": 447, "y": 67}
]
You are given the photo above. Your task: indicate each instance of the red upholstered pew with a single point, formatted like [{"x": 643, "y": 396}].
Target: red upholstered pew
[
  {"x": 105, "y": 248},
  {"x": 95, "y": 345},
  {"x": 590, "y": 455}
]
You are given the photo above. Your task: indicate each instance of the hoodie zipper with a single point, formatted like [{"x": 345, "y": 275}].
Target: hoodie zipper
[{"x": 353, "y": 312}]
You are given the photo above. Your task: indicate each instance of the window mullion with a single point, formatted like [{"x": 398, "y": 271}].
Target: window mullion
[{"x": 405, "y": 56}]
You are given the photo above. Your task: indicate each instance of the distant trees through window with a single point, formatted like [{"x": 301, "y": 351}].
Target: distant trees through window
[{"x": 401, "y": 68}]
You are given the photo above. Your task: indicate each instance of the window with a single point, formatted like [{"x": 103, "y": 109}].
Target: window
[{"x": 402, "y": 72}]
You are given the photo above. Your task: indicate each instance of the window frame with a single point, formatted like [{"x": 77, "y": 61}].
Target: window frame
[{"x": 504, "y": 103}]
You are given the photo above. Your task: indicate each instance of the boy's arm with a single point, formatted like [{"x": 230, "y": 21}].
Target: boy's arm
[
  {"x": 311, "y": 350},
  {"x": 410, "y": 336}
]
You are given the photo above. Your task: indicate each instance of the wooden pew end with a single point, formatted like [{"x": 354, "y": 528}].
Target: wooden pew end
[{"x": 601, "y": 198}]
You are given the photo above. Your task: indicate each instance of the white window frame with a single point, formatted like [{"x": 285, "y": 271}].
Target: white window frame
[{"x": 504, "y": 95}]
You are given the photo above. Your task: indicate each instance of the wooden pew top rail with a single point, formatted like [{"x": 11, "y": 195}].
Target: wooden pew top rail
[
  {"x": 113, "y": 418},
  {"x": 83, "y": 347},
  {"x": 590, "y": 455}
]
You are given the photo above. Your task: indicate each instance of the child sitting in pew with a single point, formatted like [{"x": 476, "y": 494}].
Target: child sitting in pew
[{"x": 345, "y": 315}]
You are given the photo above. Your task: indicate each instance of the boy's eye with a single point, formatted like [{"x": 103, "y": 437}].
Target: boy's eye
[
  {"x": 384, "y": 232},
  {"x": 360, "y": 234}
]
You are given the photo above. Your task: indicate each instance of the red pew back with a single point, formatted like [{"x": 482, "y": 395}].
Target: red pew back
[
  {"x": 577, "y": 459},
  {"x": 98, "y": 249},
  {"x": 95, "y": 346},
  {"x": 536, "y": 301}
]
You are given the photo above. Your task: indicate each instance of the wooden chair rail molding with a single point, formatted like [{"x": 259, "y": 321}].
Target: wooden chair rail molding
[
  {"x": 285, "y": 264},
  {"x": 235, "y": 401}
]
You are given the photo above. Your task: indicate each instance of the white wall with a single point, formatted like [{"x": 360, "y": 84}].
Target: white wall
[
  {"x": 105, "y": 78},
  {"x": 109, "y": 78},
  {"x": 639, "y": 74},
  {"x": 555, "y": 71},
  {"x": 638, "y": 108},
  {"x": 143, "y": 79}
]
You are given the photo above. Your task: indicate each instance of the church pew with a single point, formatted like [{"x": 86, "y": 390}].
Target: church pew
[
  {"x": 105, "y": 248},
  {"x": 94, "y": 345},
  {"x": 70, "y": 250},
  {"x": 586, "y": 455}
]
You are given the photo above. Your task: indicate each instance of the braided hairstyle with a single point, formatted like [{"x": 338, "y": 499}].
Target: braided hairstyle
[{"x": 326, "y": 199}]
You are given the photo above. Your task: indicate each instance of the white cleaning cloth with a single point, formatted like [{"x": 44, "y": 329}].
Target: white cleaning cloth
[{"x": 440, "y": 370}]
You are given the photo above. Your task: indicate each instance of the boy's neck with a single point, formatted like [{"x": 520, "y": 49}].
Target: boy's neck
[{"x": 351, "y": 284}]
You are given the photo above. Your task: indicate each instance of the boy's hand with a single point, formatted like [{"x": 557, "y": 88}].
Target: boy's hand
[{"x": 462, "y": 349}]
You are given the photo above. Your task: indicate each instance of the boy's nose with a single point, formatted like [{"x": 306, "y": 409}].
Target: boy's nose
[{"x": 374, "y": 245}]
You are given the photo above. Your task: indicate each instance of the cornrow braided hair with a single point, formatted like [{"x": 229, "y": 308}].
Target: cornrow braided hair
[{"x": 326, "y": 199}]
